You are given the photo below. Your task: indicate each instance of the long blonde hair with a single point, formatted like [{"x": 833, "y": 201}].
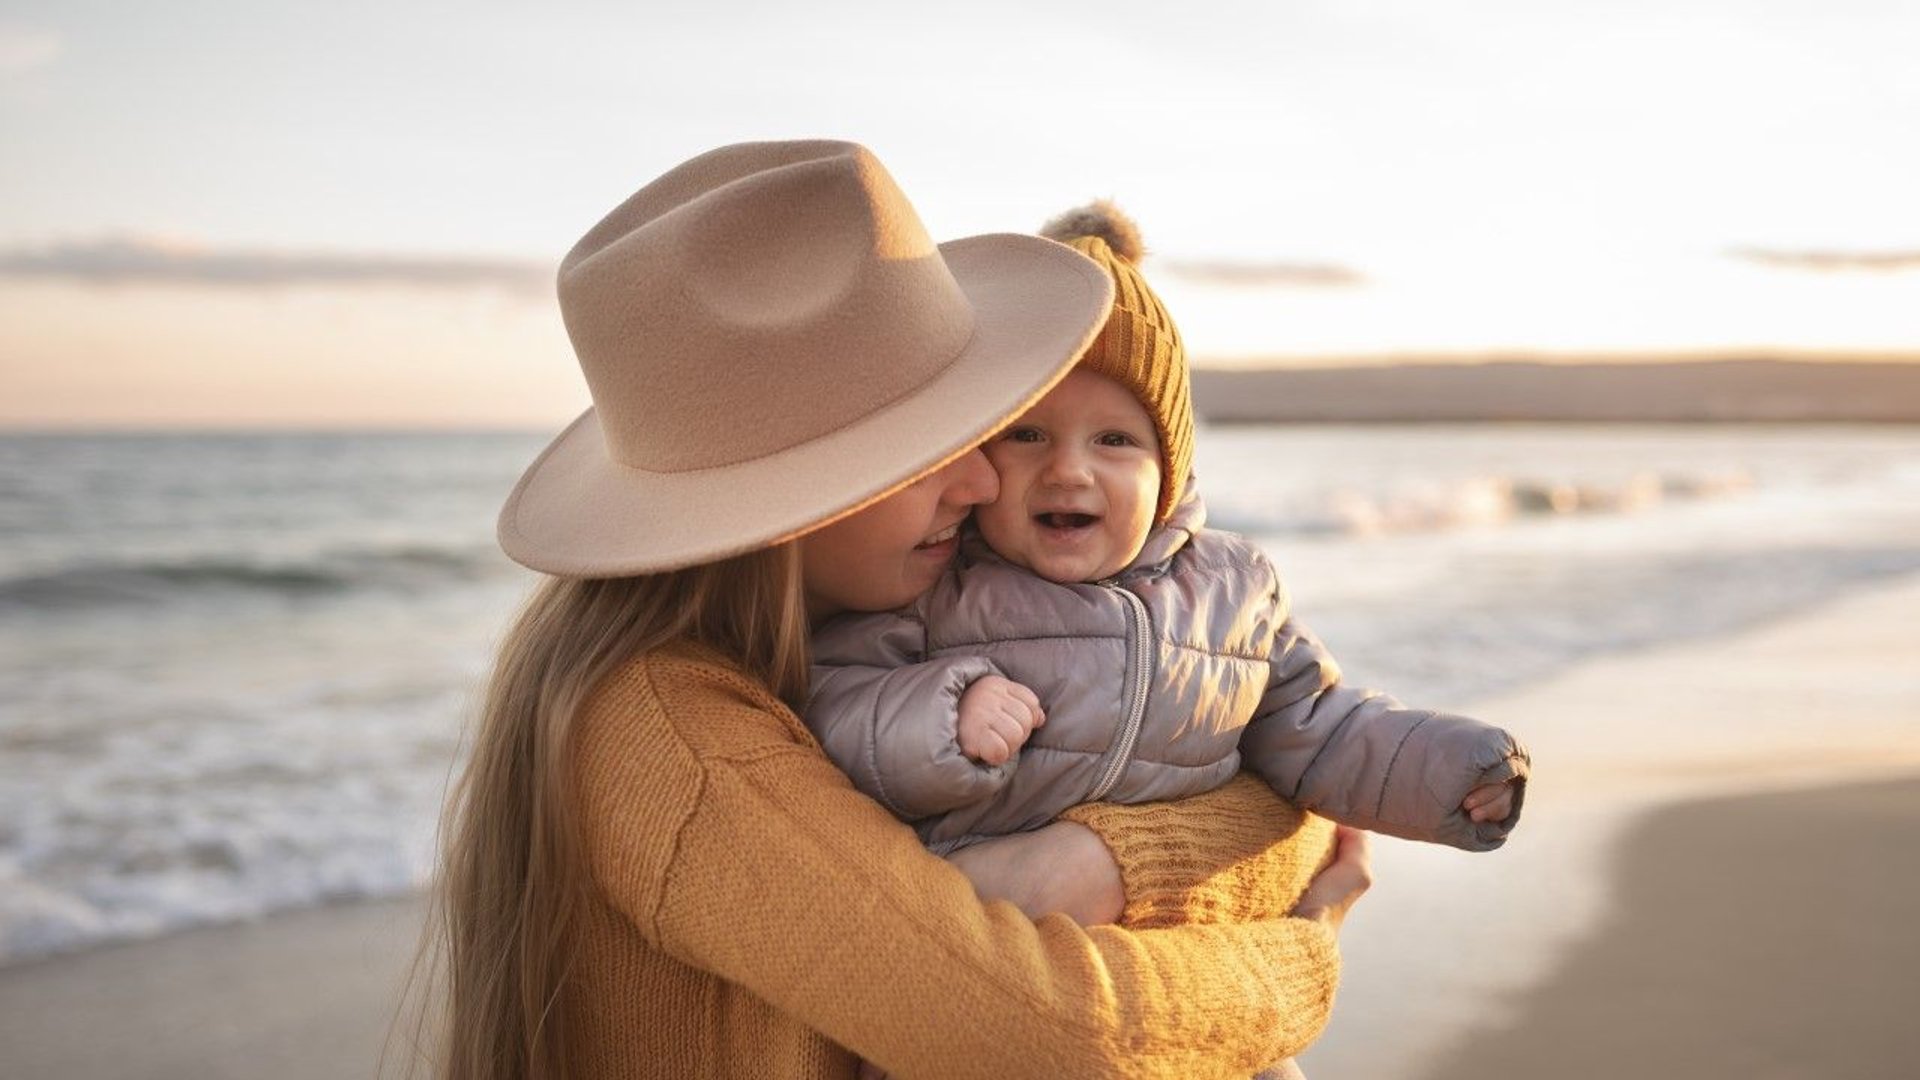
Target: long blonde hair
[{"x": 496, "y": 951}]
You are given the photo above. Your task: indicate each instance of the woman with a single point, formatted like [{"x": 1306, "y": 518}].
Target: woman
[{"x": 652, "y": 869}]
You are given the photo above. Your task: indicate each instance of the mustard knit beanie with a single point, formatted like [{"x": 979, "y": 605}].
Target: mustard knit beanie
[{"x": 1139, "y": 347}]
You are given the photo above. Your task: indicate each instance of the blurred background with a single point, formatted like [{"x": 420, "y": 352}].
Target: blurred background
[{"x": 1566, "y": 357}]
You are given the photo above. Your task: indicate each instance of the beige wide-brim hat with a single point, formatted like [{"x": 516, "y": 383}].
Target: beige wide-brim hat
[{"x": 772, "y": 342}]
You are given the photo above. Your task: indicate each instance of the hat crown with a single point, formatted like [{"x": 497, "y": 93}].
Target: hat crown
[
  {"x": 1139, "y": 346},
  {"x": 755, "y": 298}
]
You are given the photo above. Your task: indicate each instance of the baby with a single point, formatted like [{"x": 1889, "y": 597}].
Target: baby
[{"x": 1093, "y": 641}]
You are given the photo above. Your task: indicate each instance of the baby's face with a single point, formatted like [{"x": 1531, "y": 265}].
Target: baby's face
[{"x": 1079, "y": 482}]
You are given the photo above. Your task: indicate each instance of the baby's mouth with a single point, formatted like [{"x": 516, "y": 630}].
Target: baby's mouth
[{"x": 1063, "y": 522}]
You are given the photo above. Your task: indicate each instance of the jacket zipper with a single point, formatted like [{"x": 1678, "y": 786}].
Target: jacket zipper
[{"x": 1140, "y": 658}]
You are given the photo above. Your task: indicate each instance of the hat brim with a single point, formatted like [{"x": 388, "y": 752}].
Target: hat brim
[{"x": 578, "y": 513}]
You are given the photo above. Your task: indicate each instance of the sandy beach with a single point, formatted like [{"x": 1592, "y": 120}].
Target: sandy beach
[
  {"x": 1759, "y": 936},
  {"x": 302, "y": 996},
  {"x": 1707, "y": 885},
  {"x": 1449, "y": 945}
]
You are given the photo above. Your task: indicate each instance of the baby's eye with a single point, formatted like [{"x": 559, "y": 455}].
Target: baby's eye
[
  {"x": 1116, "y": 438},
  {"x": 1022, "y": 434}
]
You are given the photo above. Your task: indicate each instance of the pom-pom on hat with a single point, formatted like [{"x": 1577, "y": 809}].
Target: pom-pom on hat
[{"x": 1139, "y": 347}]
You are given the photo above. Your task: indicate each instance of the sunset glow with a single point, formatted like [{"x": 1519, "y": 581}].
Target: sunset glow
[{"x": 345, "y": 216}]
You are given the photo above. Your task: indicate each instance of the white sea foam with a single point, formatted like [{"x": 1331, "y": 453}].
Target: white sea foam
[
  {"x": 1477, "y": 501},
  {"x": 232, "y": 742}
]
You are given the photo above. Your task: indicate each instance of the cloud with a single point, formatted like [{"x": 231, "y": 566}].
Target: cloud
[
  {"x": 1258, "y": 274},
  {"x": 1827, "y": 261},
  {"x": 23, "y": 49},
  {"x": 139, "y": 260}
]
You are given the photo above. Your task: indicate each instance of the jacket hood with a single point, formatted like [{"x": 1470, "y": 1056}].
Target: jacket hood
[{"x": 1188, "y": 517}]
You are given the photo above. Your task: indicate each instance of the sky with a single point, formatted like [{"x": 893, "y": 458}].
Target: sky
[{"x": 244, "y": 214}]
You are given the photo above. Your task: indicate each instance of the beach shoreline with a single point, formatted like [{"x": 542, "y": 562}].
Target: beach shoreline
[
  {"x": 1750, "y": 936},
  {"x": 1445, "y": 936},
  {"x": 1622, "y": 744},
  {"x": 299, "y": 995}
]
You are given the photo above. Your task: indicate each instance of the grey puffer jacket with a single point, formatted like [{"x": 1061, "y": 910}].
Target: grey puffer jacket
[{"x": 1158, "y": 683}]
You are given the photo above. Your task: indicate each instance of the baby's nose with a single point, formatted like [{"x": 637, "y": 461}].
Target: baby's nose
[{"x": 1066, "y": 467}]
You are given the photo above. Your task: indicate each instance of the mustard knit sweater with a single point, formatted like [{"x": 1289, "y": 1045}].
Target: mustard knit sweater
[{"x": 756, "y": 916}]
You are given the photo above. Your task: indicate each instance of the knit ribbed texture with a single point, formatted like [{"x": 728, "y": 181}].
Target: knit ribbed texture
[
  {"x": 754, "y": 914},
  {"x": 1139, "y": 347},
  {"x": 1259, "y": 856}
]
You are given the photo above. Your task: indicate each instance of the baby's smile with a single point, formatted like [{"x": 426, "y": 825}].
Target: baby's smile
[
  {"x": 1079, "y": 482},
  {"x": 1066, "y": 522}
]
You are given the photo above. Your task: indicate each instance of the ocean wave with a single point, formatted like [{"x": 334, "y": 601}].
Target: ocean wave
[
  {"x": 1476, "y": 501},
  {"x": 151, "y": 582},
  {"x": 239, "y": 762}
]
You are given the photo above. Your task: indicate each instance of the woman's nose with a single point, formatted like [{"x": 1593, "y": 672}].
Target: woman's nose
[{"x": 969, "y": 480}]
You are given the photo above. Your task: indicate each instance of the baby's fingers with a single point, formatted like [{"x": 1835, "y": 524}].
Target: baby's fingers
[
  {"x": 1028, "y": 698},
  {"x": 1012, "y": 729},
  {"x": 989, "y": 745},
  {"x": 1489, "y": 802},
  {"x": 1481, "y": 795},
  {"x": 978, "y": 740},
  {"x": 1018, "y": 715}
]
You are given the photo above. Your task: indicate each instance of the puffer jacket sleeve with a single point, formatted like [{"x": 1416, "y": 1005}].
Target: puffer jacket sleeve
[
  {"x": 1362, "y": 758},
  {"x": 889, "y": 716}
]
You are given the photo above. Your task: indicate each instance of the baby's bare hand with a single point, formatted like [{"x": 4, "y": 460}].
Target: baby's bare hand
[
  {"x": 1489, "y": 802},
  {"x": 996, "y": 716}
]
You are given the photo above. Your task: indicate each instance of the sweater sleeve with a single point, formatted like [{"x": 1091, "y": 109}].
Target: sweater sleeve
[
  {"x": 771, "y": 871},
  {"x": 1238, "y": 853},
  {"x": 889, "y": 717},
  {"x": 1362, "y": 758}
]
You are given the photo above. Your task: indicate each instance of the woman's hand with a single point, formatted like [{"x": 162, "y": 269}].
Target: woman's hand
[
  {"x": 1064, "y": 867},
  {"x": 1345, "y": 878}
]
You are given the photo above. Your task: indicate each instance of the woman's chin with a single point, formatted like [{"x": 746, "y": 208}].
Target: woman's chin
[{"x": 923, "y": 568}]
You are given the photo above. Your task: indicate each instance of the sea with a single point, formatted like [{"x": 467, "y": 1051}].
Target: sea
[{"x": 236, "y": 669}]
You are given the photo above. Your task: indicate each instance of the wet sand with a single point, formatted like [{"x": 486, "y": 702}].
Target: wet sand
[
  {"x": 1449, "y": 942},
  {"x": 1755, "y": 937},
  {"x": 302, "y": 996}
]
